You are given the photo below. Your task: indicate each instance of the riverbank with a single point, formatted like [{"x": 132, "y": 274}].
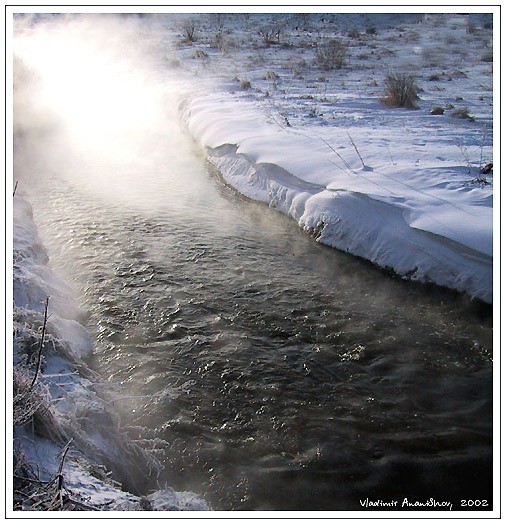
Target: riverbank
[
  {"x": 255, "y": 355},
  {"x": 402, "y": 218},
  {"x": 407, "y": 187},
  {"x": 71, "y": 451}
]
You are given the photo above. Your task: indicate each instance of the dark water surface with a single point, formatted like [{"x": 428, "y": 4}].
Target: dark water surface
[{"x": 284, "y": 375}]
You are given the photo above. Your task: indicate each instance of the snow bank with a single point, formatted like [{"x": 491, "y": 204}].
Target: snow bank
[
  {"x": 75, "y": 402},
  {"x": 419, "y": 218}
]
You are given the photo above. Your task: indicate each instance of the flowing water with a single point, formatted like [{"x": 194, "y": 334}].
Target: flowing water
[{"x": 283, "y": 375}]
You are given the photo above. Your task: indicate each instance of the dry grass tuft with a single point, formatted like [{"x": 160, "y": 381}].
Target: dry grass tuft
[{"x": 401, "y": 91}]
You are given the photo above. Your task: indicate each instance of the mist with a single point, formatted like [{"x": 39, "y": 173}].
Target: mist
[{"x": 94, "y": 102}]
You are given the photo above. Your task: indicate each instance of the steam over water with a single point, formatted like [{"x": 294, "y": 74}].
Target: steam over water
[{"x": 282, "y": 374}]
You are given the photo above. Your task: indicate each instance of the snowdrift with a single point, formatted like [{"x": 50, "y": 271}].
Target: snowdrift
[{"x": 423, "y": 223}]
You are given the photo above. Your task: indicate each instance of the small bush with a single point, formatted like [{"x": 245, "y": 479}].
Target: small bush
[
  {"x": 270, "y": 35},
  {"x": 189, "y": 31},
  {"x": 451, "y": 40},
  {"x": 331, "y": 55},
  {"x": 458, "y": 74},
  {"x": 245, "y": 85},
  {"x": 371, "y": 30},
  {"x": 437, "y": 111},
  {"x": 412, "y": 36},
  {"x": 354, "y": 33},
  {"x": 220, "y": 42},
  {"x": 173, "y": 63},
  {"x": 462, "y": 113},
  {"x": 302, "y": 21},
  {"x": 27, "y": 400},
  {"x": 217, "y": 21},
  {"x": 271, "y": 75},
  {"x": 472, "y": 28},
  {"x": 434, "y": 56},
  {"x": 401, "y": 91},
  {"x": 488, "y": 57},
  {"x": 200, "y": 54}
]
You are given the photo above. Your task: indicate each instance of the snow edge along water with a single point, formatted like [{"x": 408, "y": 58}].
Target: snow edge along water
[
  {"x": 442, "y": 244},
  {"x": 69, "y": 402}
]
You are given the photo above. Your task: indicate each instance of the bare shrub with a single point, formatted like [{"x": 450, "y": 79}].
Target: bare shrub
[
  {"x": 451, "y": 39},
  {"x": 331, "y": 55},
  {"x": 200, "y": 54},
  {"x": 354, "y": 33},
  {"x": 434, "y": 56},
  {"x": 221, "y": 43},
  {"x": 412, "y": 36},
  {"x": 33, "y": 494},
  {"x": 189, "y": 31},
  {"x": 27, "y": 400},
  {"x": 218, "y": 22},
  {"x": 271, "y": 75},
  {"x": 302, "y": 21},
  {"x": 270, "y": 35},
  {"x": 173, "y": 63},
  {"x": 471, "y": 28},
  {"x": 401, "y": 91}
]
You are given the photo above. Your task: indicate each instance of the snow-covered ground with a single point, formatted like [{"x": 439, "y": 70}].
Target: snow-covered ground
[{"x": 399, "y": 187}]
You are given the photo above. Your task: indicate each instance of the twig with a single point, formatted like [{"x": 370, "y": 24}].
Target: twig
[
  {"x": 64, "y": 454},
  {"x": 465, "y": 154},
  {"x": 39, "y": 356},
  {"x": 338, "y": 155},
  {"x": 81, "y": 505},
  {"x": 481, "y": 149},
  {"x": 390, "y": 154},
  {"x": 356, "y": 149},
  {"x": 58, "y": 498},
  {"x": 27, "y": 479},
  {"x": 15, "y": 187}
]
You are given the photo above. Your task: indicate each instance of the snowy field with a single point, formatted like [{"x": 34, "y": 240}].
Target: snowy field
[{"x": 401, "y": 187}]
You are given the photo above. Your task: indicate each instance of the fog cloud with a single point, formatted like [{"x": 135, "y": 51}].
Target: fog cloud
[{"x": 94, "y": 100}]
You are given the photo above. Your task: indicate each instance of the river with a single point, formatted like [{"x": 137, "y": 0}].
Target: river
[
  {"x": 282, "y": 374},
  {"x": 279, "y": 373}
]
